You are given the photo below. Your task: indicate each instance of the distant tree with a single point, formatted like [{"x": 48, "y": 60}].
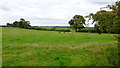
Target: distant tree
[
  {"x": 77, "y": 22},
  {"x": 16, "y": 24},
  {"x": 54, "y": 28},
  {"x": 9, "y": 25},
  {"x": 20, "y": 24}
]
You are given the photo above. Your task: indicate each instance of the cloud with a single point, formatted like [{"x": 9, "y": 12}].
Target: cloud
[{"x": 48, "y": 12}]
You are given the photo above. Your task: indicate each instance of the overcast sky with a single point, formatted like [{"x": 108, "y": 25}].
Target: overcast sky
[{"x": 48, "y": 12}]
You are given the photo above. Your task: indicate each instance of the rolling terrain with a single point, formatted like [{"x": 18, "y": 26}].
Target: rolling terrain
[{"x": 25, "y": 47}]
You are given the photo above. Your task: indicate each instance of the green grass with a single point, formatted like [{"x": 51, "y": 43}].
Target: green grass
[
  {"x": 23, "y": 47},
  {"x": 0, "y": 47}
]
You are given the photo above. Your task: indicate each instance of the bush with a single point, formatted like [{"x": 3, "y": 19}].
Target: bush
[{"x": 88, "y": 30}]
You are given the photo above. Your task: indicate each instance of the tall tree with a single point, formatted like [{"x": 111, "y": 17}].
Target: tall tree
[
  {"x": 116, "y": 16},
  {"x": 108, "y": 21}
]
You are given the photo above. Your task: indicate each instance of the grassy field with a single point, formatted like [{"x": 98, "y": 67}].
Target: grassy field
[
  {"x": 57, "y": 28},
  {"x": 24, "y": 47}
]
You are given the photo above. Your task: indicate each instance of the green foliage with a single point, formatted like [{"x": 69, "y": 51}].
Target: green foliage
[
  {"x": 108, "y": 21},
  {"x": 71, "y": 22},
  {"x": 77, "y": 22},
  {"x": 88, "y": 30},
  {"x": 20, "y": 24},
  {"x": 97, "y": 27},
  {"x": 9, "y": 25},
  {"x": 62, "y": 29},
  {"x": 54, "y": 28},
  {"x": 65, "y": 29}
]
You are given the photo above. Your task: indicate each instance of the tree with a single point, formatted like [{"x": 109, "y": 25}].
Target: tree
[
  {"x": 116, "y": 18},
  {"x": 77, "y": 22},
  {"x": 108, "y": 21},
  {"x": 17, "y": 24},
  {"x": 20, "y": 24},
  {"x": 54, "y": 28},
  {"x": 9, "y": 25},
  {"x": 71, "y": 22}
]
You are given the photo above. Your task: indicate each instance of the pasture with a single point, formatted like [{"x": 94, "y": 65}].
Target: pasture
[{"x": 25, "y": 47}]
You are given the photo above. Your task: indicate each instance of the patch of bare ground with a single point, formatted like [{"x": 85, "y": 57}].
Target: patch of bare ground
[{"x": 29, "y": 53}]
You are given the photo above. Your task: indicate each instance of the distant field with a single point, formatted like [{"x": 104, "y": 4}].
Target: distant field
[
  {"x": 24, "y": 47},
  {"x": 57, "y": 28}
]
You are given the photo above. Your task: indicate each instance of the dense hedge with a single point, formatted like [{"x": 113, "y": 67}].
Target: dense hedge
[
  {"x": 88, "y": 30},
  {"x": 49, "y": 29},
  {"x": 67, "y": 29},
  {"x": 63, "y": 29}
]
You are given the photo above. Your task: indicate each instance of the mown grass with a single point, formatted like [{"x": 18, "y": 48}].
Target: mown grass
[{"x": 23, "y": 47}]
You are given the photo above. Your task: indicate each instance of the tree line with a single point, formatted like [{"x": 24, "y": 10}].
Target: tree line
[
  {"x": 105, "y": 21},
  {"x": 20, "y": 24}
]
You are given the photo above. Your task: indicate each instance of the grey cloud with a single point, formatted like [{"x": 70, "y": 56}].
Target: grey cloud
[
  {"x": 49, "y": 19},
  {"x": 5, "y": 8},
  {"x": 47, "y": 11},
  {"x": 102, "y": 3}
]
